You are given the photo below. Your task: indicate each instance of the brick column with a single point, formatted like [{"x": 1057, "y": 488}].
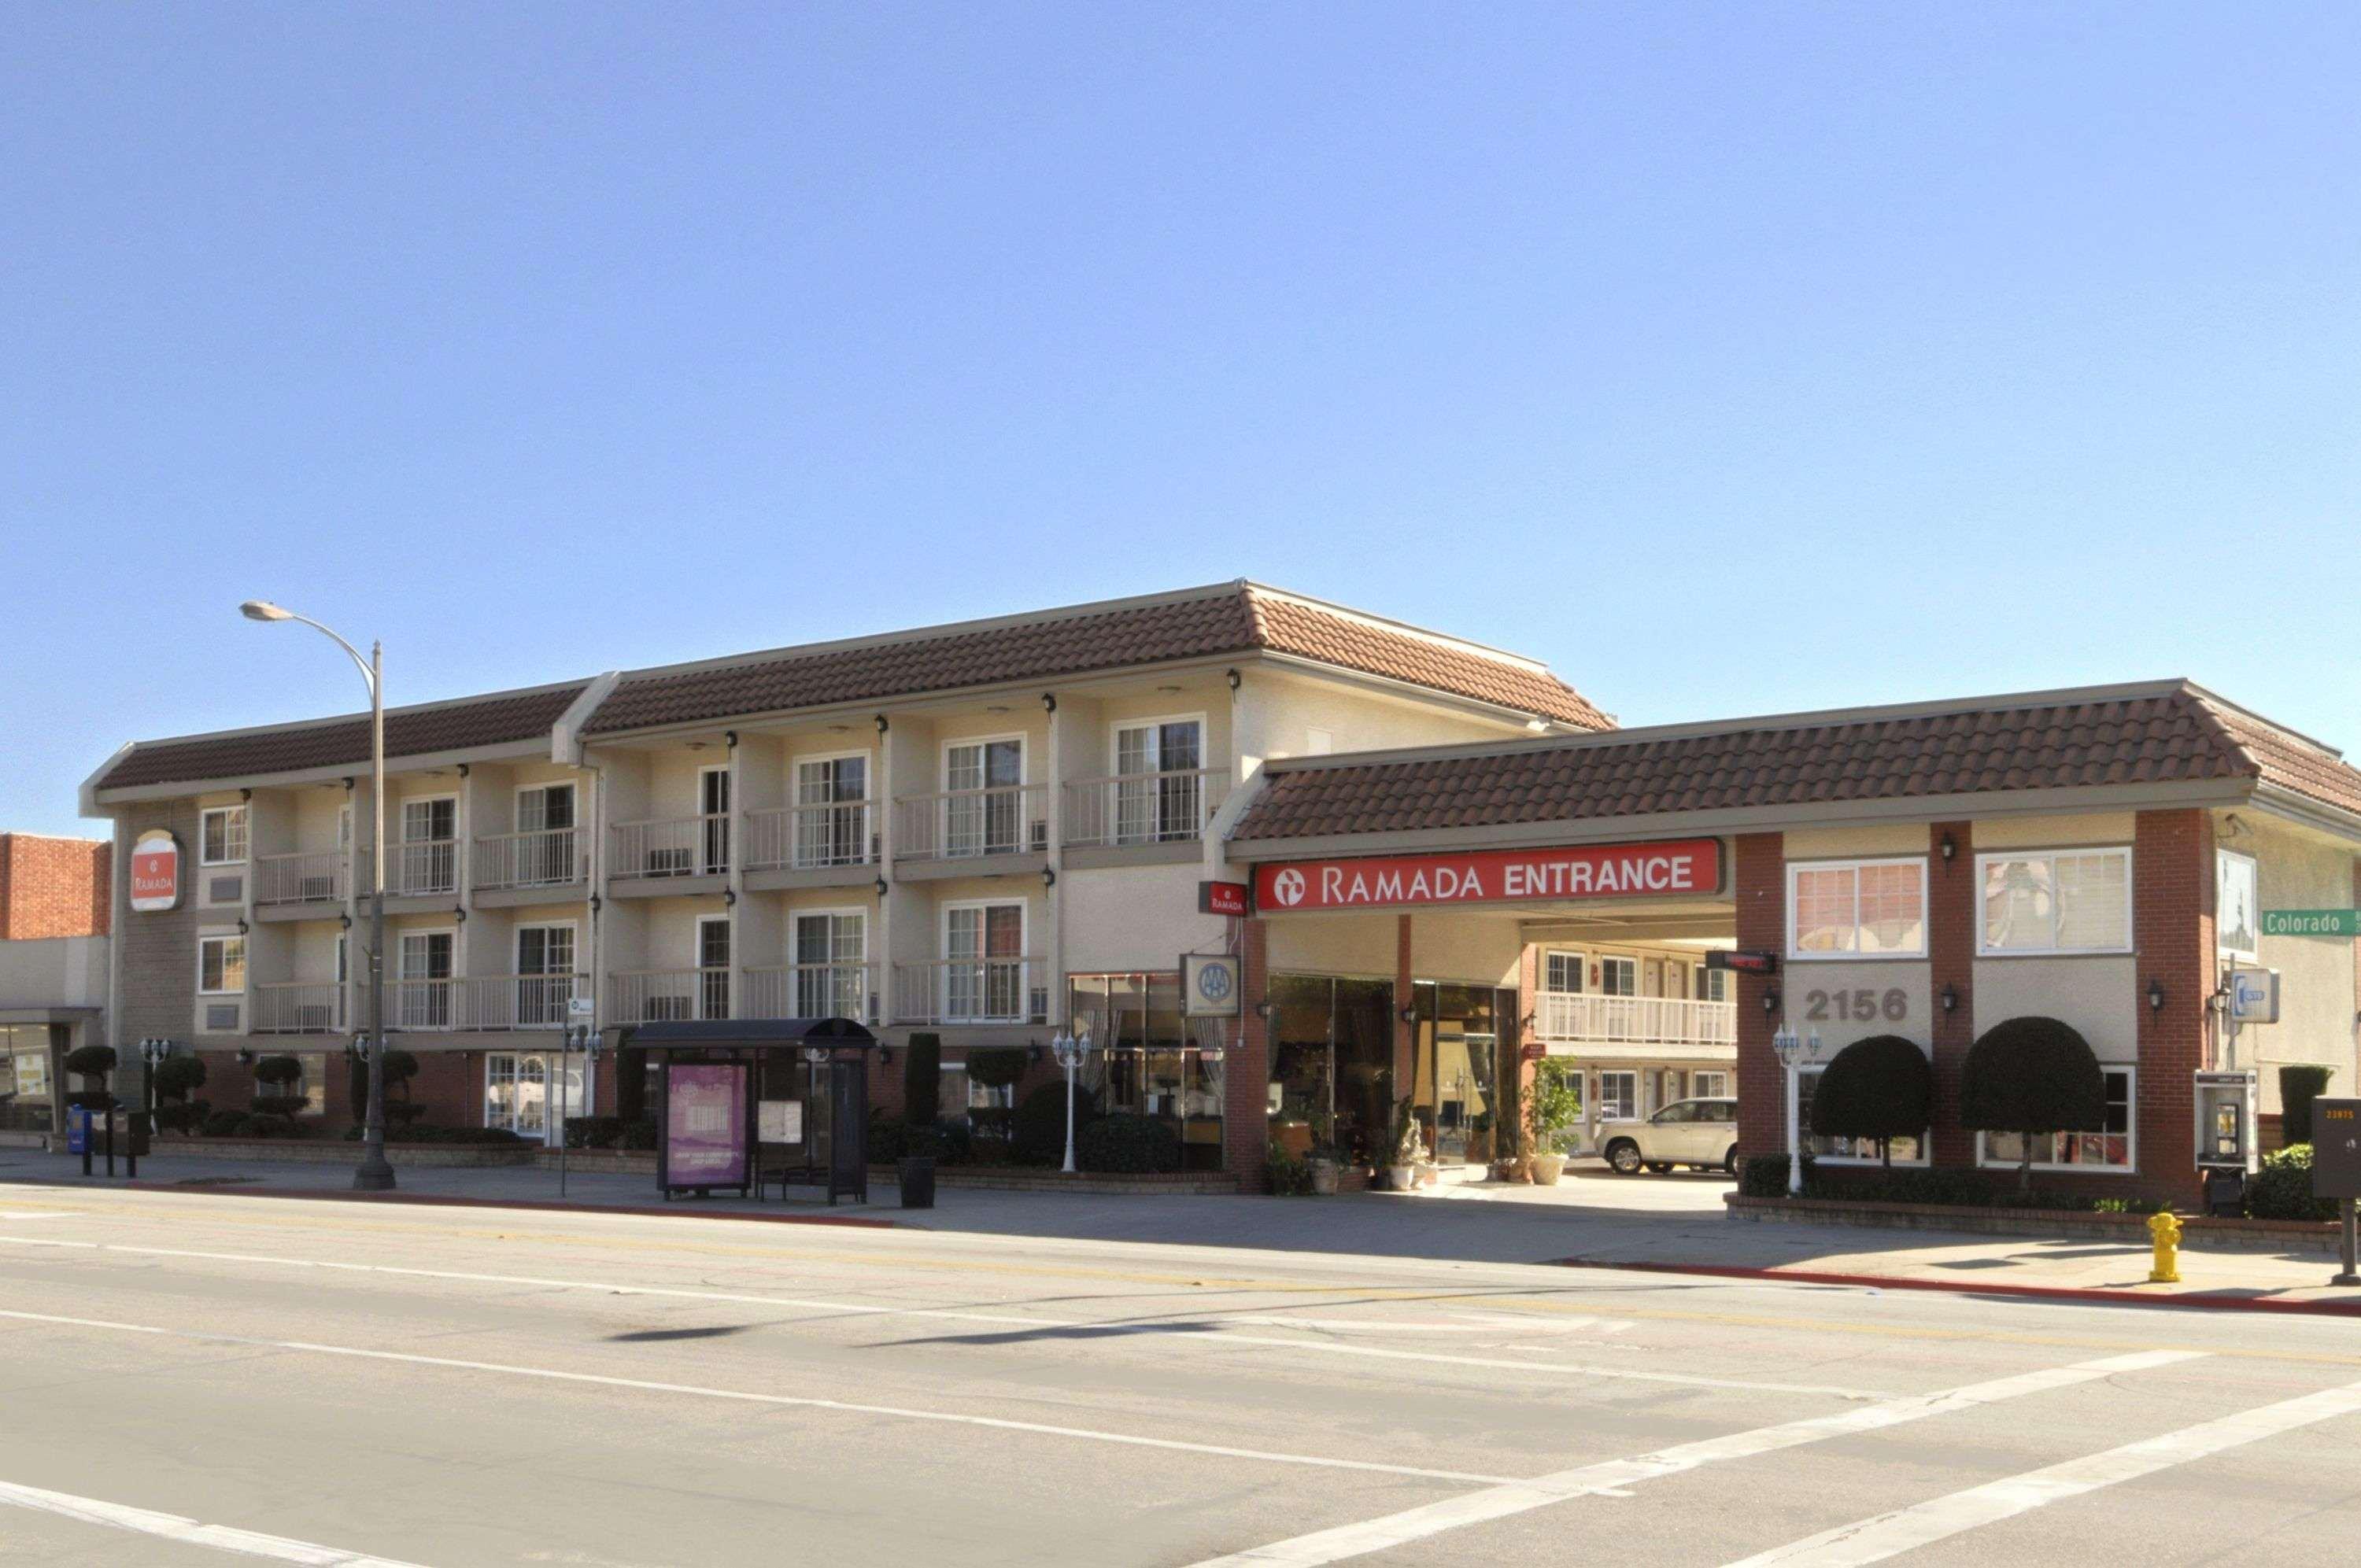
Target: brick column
[
  {"x": 1759, "y": 881},
  {"x": 1246, "y": 1074},
  {"x": 2173, "y": 932},
  {"x": 1951, "y": 923}
]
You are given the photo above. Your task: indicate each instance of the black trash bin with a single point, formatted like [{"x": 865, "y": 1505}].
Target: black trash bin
[{"x": 918, "y": 1174}]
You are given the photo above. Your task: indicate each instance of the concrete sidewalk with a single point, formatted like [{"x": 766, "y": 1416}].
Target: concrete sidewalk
[{"x": 1593, "y": 1219}]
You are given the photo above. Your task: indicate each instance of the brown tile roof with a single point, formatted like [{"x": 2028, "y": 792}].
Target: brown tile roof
[
  {"x": 498, "y": 720},
  {"x": 1235, "y": 618},
  {"x": 2149, "y": 734}
]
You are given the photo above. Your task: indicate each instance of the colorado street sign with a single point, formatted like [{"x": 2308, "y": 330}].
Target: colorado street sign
[{"x": 2312, "y": 922}]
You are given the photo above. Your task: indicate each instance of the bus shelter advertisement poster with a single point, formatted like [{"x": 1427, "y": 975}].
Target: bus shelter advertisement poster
[{"x": 705, "y": 1114}]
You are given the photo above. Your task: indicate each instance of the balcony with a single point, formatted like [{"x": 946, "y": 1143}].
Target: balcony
[
  {"x": 669, "y": 848},
  {"x": 547, "y": 857},
  {"x": 810, "y": 837},
  {"x": 299, "y": 1007},
  {"x": 811, "y": 990},
  {"x": 1133, "y": 810},
  {"x": 494, "y": 1004},
  {"x": 666, "y": 995},
  {"x": 971, "y": 990},
  {"x": 423, "y": 868},
  {"x": 317, "y": 877},
  {"x": 972, "y": 824},
  {"x": 1634, "y": 1020}
]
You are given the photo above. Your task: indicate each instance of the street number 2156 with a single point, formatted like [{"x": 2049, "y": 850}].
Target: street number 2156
[{"x": 1857, "y": 1006}]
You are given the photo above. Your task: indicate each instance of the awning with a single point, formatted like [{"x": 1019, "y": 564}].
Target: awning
[{"x": 834, "y": 1032}]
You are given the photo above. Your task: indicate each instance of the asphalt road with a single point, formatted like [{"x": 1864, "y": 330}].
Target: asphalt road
[{"x": 354, "y": 1383}]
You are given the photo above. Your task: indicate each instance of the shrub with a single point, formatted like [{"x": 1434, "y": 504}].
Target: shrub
[
  {"x": 593, "y": 1132},
  {"x": 1128, "y": 1144},
  {"x": 1955, "y": 1185},
  {"x": 1038, "y": 1135},
  {"x": 953, "y": 1143},
  {"x": 279, "y": 1104},
  {"x": 176, "y": 1078},
  {"x": 1882, "y": 1088},
  {"x": 277, "y": 1069},
  {"x": 2032, "y": 1076},
  {"x": 639, "y": 1134},
  {"x": 2299, "y": 1086},
  {"x": 2281, "y": 1190},
  {"x": 184, "y": 1117},
  {"x": 922, "y": 1080},
  {"x": 401, "y": 1112},
  {"x": 92, "y": 1098},
  {"x": 221, "y": 1124},
  {"x": 1551, "y": 1108},
  {"x": 400, "y": 1067},
  {"x": 91, "y": 1061},
  {"x": 1289, "y": 1177},
  {"x": 999, "y": 1067},
  {"x": 1765, "y": 1175}
]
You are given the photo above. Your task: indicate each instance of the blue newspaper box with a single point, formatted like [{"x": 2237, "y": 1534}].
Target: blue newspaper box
[{"x": 78, "y": 1129}]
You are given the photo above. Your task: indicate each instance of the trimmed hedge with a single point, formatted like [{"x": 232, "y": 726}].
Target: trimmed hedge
[
  {"x": 1881, "y": 1086},
  {"x": 2299, "y": 1086},
  {"x": 2032, "y": 1076},
  {"x": 492, "y": 1137},
  {"x": 277, "y": 1069},
  {"x": 1037, "y": 1133},
  {"x": 91, "y": 1061},
  {"x": 400, "y": 1067},
  {"x": 2281, "y": 1190},
  {"x": 1129, "y": 1145},
  {"x": 176, "y": 1078},
  {"x": 922, "y": 1080}
]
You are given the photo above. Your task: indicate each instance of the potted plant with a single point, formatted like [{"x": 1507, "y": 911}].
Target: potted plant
[
  {"x": 1549, "y": 1109},
  {"x": 1406, "y": 1150},
  {"x": 1479, "y": 1139},
  {"x": 1323, "y": 1161}
]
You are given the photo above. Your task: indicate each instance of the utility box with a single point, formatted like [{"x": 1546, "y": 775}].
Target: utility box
[{"x": 2336, "y": 1148}]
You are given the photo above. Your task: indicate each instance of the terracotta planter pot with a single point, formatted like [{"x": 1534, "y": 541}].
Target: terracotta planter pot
[
  {"x": 1547, "y": 1168},
  {"x": 1324, "y": 1178}
]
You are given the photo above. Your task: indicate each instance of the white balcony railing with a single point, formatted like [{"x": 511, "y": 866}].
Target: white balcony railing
[
  {"x": 1635, "y": 1020},
  {"x": 493, "y": 1004},
  {"x": 299, "y": 1007},
  {"x": 666, "y": 995},
  {"x": 672, "y": 847},
  {"x": 971, "y": 990},
  {"x": 961, "y": 824},
  {"x": 545, "y": 857},
  {"x": 317, "y": 877},
  {"x": 424, "y": 1005},
  {"x": 811, "y": 990},
  {"x": 803, "y": 837},
  {"x": 428, "y": 866},
  {"x": 1142, "y": 808}
]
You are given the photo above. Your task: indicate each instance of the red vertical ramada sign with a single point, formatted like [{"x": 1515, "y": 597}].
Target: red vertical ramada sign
[
  {"x": 155, "y": 871},
  {"x": 1493, "y": 876}
]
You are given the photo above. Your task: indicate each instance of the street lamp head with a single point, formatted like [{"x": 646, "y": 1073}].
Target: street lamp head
[{"x": 263, "y": 610}]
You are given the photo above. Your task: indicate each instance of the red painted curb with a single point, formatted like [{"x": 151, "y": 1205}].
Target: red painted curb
[
  {"x": 682, "y": 1211},
  {"x": 1963, "y": 1287}
]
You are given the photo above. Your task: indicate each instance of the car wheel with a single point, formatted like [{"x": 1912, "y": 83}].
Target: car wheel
[
  {"x": 1623, "y": 1157},
  {"x": 1729, "y": 1161}
]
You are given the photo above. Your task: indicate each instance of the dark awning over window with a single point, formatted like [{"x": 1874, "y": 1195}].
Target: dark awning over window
[{"x": 835, "y": 1033}]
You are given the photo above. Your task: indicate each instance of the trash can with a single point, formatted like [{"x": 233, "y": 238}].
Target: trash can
[{"x": 917, "y": 1176}]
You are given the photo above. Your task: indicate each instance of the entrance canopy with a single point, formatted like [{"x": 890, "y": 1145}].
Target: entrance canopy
[{"x": 690, "y": 1034}]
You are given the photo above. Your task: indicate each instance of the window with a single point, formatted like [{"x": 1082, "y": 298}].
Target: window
[
  {"x": 713, "y": 806},
  {"x": 221, "y": 966},
  {"x": 1846, "y": 1151},
  {"x": 422, "y": 997},
  {"x": 832, "y": 821},
  {"x": 713, "y": 966},
  {"x": 1713, "y": 985},
  {"x": 832, "y": 979},
  {"x": 220, "y": 835},
  {"x": 1857, "y": 909},
  {"x": 544, "y": 818},
  {"x": 430, "y": 857},
  {"x": 984, "y": 814},
  {"x": 544, "y": 982},
  {"x": 1563, "y": 973},
  {"x": 1618, "y": 977},
  {"x": 344, "y": 957},
  {"x": 516, "y": 1093},
  {"x": 2235, "y": 901},
  {"x": 985, "y": 977},
  {"x": 1674, "y": 1115},
  {"x": 1710, "y": 1086},
  {"x": 2068, "y": 901},
  {"x": 1619, "y": 1096},
  {"x": 2113, "y": 1149},
  {"x": 313, "y": 1084},
  {"x": 1159, "y": 795}
]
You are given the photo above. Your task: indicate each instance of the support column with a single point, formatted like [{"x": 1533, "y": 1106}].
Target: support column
[
  {"x": 2172, "y": 931},
  {"x": 1245, "y": 1073},
  {"x": 1758, "y": 882},
  {"x": 1405, "y": 1034},
  {"x": 1952, "y": 916}
]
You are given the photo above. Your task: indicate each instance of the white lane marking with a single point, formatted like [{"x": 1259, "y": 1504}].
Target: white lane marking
[
  {"x": 33, "y": 1214},
  {"x": 1905, "y": 1529},
  {"x": 1213, "y": 1336},
  {"x": 743, "y": 1396},
  {"x": 187, "y": 1531},
  {"x": 1465, "y": 1324},
  {"x": 1611, "y": 1477}
]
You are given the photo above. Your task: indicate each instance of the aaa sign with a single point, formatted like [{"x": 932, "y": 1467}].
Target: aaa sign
[{"x": 1491, "y": 876}]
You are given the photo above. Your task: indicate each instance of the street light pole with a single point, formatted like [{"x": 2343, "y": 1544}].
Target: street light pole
[
  {"x": 375, "y": 1172},
  {"x": 1070, "y": 1049}
]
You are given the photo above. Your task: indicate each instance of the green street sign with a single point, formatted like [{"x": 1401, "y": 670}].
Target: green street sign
[{"x": 2312, "y": 922}]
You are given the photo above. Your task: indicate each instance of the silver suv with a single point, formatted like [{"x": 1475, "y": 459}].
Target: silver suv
[{"x": 1699, "y": 1133}]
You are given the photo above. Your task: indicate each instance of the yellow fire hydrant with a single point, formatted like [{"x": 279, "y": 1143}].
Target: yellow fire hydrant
[{"x": 2165, "y": 1231}]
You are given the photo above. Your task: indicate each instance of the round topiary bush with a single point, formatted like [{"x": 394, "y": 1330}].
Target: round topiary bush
[
  {"x": 176, "y": 1078},
  {"x": 277, "y": 1069},
  {"x": 1882, "y": 1088},
  {"x": 1128, "y": 1144},
  {"x": 2032, "y": 1076},
  {"x": 91, "y": 1061},
  {"x": 1038, "y": 1133}
]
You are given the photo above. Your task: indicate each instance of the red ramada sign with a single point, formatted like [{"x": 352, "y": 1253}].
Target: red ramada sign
[
  {"x": 1490, "y": 877},
  {"x": 155, "y": 871}
]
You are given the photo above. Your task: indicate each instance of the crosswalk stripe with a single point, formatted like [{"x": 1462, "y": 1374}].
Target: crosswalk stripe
[
  {"x": 187, "y": 1531},
  {"x": 1905, "y": 1530},
  {"x": 1613, "y": 1476}
]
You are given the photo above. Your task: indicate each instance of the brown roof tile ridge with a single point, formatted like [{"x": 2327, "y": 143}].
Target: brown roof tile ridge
[
  {"x": 407, "y": 709},
  {"x": 2221, "y": 710},
  {"x": 1525, "y": 662}
]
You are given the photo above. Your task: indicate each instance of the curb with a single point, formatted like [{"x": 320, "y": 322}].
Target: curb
[
  {"x": 686, "y": 1210},
  {"x": 2112, "y": 1295}
]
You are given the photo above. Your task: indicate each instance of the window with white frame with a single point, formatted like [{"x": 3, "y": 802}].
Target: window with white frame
[
  {"x": 833, "y": 812},
  {"x": 1563, "y": 973},
  {"x": 1709, "y": 1085},
  {"x": 220, "y": 835},
  {"x": 544, "y": 968},
  {"x": 221, "y": 966},
  {"x": 516, "y": 1092},
  {"x": 1713, "y": 985},
  {"x": 313, "y": 1083},
  {"x": 1846, "y": 1151},
  {"x": 985, "y": 975},
  {"x": 2235, "y": 899},
  {"x": 831, "y": 978},
  {"x": 1619, "y": 1096},
  {"x": 2116, "y": 1147},
  {"x": 986, "y": 812},
  {"x": 1619, "y": 976},
  {"x": 1857, "y": 909},
  {"x": 2061, "y": 901},
  {"x": 1160, "y": 796}
]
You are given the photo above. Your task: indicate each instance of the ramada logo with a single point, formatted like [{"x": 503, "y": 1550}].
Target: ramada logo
[{"x": 1288, "y": 886}]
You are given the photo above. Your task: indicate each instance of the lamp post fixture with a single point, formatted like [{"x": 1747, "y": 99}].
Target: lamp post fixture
[
  {"x": 580, "y": 1038},
  {"x": 1070, "y": 1049},
  {"x": 1793, "y": 1055},
  {"x": 375, "y": 1172}
]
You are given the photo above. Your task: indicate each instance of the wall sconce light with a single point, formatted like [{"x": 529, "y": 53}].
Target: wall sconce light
[
  {"x": 1262, "y": 1011},
  {"x": 730, "y": 739},
  {"x": 459, "y": 915},
  {"x": 1769, "y": 1002},
  {"x": 729, "y": 898},
  {"x": 1408, "y": 1014},
  {"x": 881, "y": 887},
  {"x": 1951, "y": 998},
  {"x": 1049, "y": 876},
  {"x": 245, "y": 1054},
  {"x": 241, "y": 925},
  {"x": 346, "y": 921},
  {"x": 2155, "y": 996},
  {"x": 885, "y": 1055},
  {"x": 245, "y": 794},
  {"x": 1234, "y": 680},
  {"x": 881, "y": 725},
  {"x": 1950, "y": 847},
  {"x": 1048, "y": 702},
  {"x": 595, "y": 903},
  {"x": 1033, "y": 1051},
  {"x": 463, "y": 770}
]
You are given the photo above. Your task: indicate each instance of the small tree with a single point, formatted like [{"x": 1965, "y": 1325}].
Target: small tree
[
  {"x": 400, "y": 1067},
  {"x": 1551, "y": 1108},
  {"x": 177, "y": 1077},
  {"x": 279, "y": 1074},
  {"x": 999, "y": 1067},
  {"x": 2032, "y": 1076},
  {"x": 89, "y": 1063},
  {"x": 922, "y": 1081},
  {"x": 1878, "y": 1087},
  {"x": 2299, "y": 1086}
]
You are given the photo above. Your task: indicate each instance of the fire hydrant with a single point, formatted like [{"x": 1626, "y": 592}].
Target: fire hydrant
[{"x": 2165, "y": 1231}]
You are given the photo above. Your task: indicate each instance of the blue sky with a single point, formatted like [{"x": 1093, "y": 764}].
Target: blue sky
[{"x": 1733, "y": 358}]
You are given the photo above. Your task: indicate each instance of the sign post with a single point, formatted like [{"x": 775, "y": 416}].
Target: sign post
[{"x": 2336, "y": 1172}]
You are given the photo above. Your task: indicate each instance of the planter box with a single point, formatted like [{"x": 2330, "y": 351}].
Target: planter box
[
  {"x": 2128, "y": 1230},
  {"x": 601, "y": 1162},
  {"x": 336, "y": 1151}
]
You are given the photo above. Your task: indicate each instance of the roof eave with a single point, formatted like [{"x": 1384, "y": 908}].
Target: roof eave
[{"x": 535, "y": 746}]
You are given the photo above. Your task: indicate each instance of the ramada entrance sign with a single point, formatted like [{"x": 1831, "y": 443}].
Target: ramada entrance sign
[{"x": 1668, "y": 870}]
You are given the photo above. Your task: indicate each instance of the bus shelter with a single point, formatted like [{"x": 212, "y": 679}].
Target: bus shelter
[{"x": 744, "y": 1102}]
